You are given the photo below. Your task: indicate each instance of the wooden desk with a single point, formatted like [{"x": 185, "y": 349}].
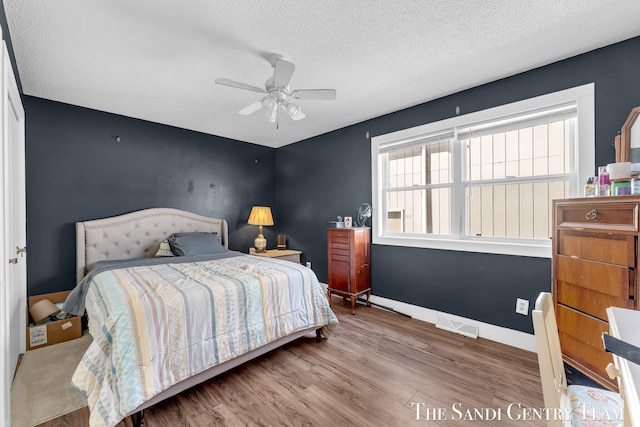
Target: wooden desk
[{"x": 625, "y": 324}]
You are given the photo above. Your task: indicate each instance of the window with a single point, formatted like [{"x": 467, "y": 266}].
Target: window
[{"x": 484, "y": 182}]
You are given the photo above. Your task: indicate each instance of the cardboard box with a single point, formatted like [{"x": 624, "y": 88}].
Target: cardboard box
[{"x": 52, "y": 332}]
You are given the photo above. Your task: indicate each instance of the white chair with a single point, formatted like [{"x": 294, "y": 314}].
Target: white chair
[{"x": 577, "y": 405}]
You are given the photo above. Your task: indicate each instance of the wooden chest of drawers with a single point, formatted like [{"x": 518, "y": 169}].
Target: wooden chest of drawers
[
  {"x": 349, "y": 258},
  {"x": 595, "y": 266}
]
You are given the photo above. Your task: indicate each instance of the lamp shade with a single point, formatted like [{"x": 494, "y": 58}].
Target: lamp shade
[
  {"x": 260, "y": 215},
  {"x": 42, "y": 311}
]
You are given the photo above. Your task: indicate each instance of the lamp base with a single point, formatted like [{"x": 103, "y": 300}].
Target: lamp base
[{"x": 260, "y": 244}]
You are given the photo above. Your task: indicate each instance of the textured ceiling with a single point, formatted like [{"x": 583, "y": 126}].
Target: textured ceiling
[{"x": 157, "y": 59}]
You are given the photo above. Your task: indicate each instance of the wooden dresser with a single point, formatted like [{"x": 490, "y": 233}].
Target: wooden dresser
[
  {"x": 595, "y": 266},
  {"x": 349, "y": 263}
]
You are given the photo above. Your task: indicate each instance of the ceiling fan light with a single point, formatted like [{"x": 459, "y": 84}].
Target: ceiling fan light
[
  {"x": 292, "y": 109},
  {"x": 272, "y": 114},
  {"x": 269, "y": 103}
]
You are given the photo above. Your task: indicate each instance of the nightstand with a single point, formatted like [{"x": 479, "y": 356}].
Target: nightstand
[{"x": 284, "y": 254}]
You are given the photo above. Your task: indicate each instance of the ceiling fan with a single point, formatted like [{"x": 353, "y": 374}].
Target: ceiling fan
[{"x": 277, "y": 92}]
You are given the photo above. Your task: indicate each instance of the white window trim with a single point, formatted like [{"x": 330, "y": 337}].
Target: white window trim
[{"x": 582, "y": 158}]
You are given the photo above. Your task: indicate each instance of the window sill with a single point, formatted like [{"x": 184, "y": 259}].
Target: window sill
[{"x": 542, "y": 250}]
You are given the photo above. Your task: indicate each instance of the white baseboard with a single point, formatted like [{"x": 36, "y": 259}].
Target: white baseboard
[{"x": 491, "y": 332}]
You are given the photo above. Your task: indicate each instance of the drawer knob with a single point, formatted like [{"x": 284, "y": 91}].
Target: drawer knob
[
  {"x": 612, "y": 371},
  {"x": 591, "y": 215}
]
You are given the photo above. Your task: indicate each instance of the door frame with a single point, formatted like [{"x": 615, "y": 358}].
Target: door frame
[{"x": 13, "y": 288}]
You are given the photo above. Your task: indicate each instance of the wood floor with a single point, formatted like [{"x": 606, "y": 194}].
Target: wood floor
[{"x": 375, "y": 370}]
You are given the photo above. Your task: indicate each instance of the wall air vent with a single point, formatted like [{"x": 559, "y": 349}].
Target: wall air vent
[
  {"x": 464, "y": 328},
  {"x": 395, "y": 220}
]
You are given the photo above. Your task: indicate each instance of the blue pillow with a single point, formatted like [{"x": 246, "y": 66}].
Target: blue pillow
[{"x": 196, "y": 243}]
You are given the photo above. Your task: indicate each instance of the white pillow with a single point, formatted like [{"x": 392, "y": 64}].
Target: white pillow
[{"x": 164, "y": 249}]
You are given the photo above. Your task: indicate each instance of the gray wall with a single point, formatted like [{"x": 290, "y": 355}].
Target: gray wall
[
  {"x": 76, "y": 169},
  {"x": 331, "y": 175}
]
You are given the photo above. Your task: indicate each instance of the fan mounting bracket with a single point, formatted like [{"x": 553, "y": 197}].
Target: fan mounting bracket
[{"x": 273, "y": 58}]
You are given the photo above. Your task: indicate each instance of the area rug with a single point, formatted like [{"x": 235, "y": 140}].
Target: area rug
[{"x": 42, "y": 389}]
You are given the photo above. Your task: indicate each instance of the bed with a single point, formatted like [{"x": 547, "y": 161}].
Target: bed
[{"x": 162, "y": 324}]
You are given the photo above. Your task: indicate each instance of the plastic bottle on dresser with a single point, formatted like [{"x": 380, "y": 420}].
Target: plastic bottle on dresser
[
  {"x": 635, "y": 186},
  {"x": 604, "y": 189},
  {"x": 590, "y": 187}
]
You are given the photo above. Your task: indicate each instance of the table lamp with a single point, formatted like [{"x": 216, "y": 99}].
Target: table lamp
[{"x": 260, "y": 215}]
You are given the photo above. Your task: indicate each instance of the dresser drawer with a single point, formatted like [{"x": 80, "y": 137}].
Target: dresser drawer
[
  {"x": 610, "y": 248},
  {"x": 589, "y": 301},
  {"x": 338, "y": 235},
  {"x": 587, "y": 284},
  {"x": 581, "y": 339},
  {"x": 598, "y": 216},
  {"x": 338, "y": 245},
  {"x": 340, "y": 254}
]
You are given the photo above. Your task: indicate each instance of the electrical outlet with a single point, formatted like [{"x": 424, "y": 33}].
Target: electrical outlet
[
  {"x": 308, "y": 264},
  {"x": 522, "y": 306}
]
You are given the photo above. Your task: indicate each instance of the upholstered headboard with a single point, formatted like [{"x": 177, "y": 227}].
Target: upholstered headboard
[{"x": 137, "y": 234}]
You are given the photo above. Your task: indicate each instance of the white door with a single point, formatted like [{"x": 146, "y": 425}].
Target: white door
[
  {"x": 5, "y": 377},
  {"x": 14, "y": 280}
]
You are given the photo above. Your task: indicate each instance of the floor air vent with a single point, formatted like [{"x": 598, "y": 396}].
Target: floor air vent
[{"x": 466, "y": 329}]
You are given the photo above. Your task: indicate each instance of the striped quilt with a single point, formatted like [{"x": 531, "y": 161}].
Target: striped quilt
[{"x": 155, "y": 325}]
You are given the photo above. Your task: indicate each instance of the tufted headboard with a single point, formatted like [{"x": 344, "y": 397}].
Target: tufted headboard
[{"x": 137, "y": 234}]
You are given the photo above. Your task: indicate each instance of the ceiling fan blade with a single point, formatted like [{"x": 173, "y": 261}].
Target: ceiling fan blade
[
  {"x": 251, "y": 108},
  {"x": 318, "y": 94},
  {"x": 283, "y": 70},
  {"x": 238, "y": 85}
]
